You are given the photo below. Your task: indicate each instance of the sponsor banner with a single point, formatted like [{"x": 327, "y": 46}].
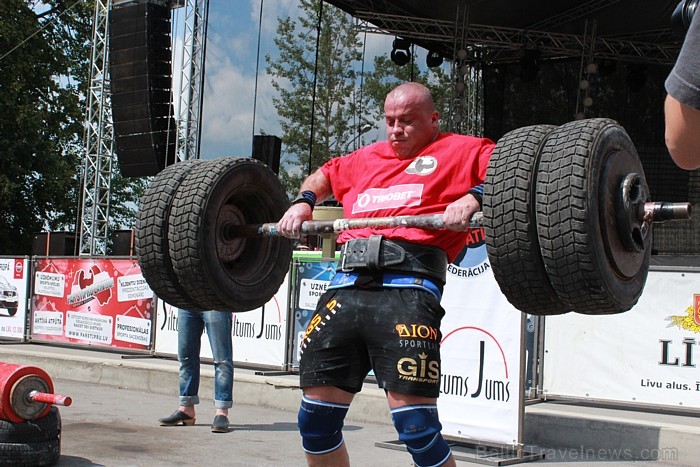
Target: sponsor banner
[
  {"x": 91, "y": 301},
  {"x": 480, "y": 382},
  {"x": 259, "y": 336},
  {"x": 647, "y": 355},
  {"x": 312, "y": 277},
  {"x": 14, "y": 279}
]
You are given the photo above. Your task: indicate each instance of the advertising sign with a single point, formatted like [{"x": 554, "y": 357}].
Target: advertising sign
[
  {"x": 259, "y": 336},
  {"x": 14, "y": 277},
  {"x": 480, "y": 387},
  {"x": 312, "y": 277},
  {"x": 648, "y": 354},
  {"x": 91, "y": 301}
]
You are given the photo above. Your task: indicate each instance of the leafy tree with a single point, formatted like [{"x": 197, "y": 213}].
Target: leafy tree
[
  {"x": 43, "y": 54},
  {"x": 45, "y": 50},
  {"x": 292, "y": 75}
]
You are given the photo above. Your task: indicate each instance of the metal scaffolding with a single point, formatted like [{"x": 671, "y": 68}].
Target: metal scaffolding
[
  {"x": 504, "y": 44},
  {"x": 192, "y": 79},
  {"x": 99, "y": 139},
  {"x": 98, "y": 165}
]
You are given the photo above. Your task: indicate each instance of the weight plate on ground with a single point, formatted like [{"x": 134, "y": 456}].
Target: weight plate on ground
[
  {"x": 221, "y": 271},
  {"x": 151, "y": 236},
  {"x": 579, "y": 180},
  {"x": 509, "y": 222}
]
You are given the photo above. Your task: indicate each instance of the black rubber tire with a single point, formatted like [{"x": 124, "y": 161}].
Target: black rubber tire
[
  {"x": 41, "y": 429},
  {"x": 12, "y": 310},
  {"x": 151, "y": 236},
  {"x": 572, "y": 216},
  {"x": 31, "y": 454},
  {"x": 509, "y": 222},
  {"x": 249, "y": 278}
]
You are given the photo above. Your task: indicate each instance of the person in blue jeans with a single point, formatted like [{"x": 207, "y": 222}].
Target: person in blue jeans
[{"x": 190, "y": 326}]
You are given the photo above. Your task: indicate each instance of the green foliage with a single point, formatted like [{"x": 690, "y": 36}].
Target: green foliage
[
  {"x": 41, "y": 116},
  {"x": 45, "y": 50},
  {"x": 292, "y": 75}
]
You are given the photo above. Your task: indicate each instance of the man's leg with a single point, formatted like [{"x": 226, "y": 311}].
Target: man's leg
[
  {"x": 416, "y": 421},
  {"x": 189, "y": 334},
  {"x": 320, "y": 422},
  {"x": 218, "y": 324}
]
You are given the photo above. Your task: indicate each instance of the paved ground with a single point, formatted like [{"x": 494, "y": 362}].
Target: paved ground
[{"x": 109, "y": 426}]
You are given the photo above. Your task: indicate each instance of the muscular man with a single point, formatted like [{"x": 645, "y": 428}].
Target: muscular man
[
  {"x": 388, "y": 279},
  {"x": 682, "y": 106}
]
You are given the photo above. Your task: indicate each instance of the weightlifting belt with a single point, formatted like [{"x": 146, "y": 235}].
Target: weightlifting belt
[
  {"x": 347, "y": 279},
  {"x": 376, "y": 253}
]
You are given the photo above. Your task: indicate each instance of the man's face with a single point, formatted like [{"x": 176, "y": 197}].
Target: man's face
[{"x": 411, "y": 123}]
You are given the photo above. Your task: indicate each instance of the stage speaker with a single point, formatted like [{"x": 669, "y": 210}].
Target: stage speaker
[
  {"x": 40, "y": 244},
  {"x": 267, "y": 149},
  {"x": 54, "y": 244},
  {"x": 140, "y": 76},
  {"x": 123, "y": 243}
]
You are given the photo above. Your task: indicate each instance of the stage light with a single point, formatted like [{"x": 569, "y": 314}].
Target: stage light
[
  {"x": 401, "y": 53},
  {"x": 433, "y": 59}
]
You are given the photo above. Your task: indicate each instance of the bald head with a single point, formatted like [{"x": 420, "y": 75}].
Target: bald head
[
  {"x": 411, "y": 119},
  {"x": 417, "y": 92}
]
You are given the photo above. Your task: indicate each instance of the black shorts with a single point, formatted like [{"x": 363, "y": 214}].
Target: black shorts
[{"x": 394, "y": 331}]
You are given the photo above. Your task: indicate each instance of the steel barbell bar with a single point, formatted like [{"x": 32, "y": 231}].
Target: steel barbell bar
[{"x": 653, "y": 212}]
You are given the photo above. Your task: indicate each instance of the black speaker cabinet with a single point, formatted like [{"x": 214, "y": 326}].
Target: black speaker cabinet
[
  {"x": 267, "y": 149},
  {"x": 123, "y": 243},
  {"x": 54, "y": 244},
  {"x": 140, "y": 75},
  {"x": 40, "y": 244}
]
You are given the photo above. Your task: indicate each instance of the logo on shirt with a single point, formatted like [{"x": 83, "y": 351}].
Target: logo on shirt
[
  {"x": 424, "y": 165},
  {"x": 375, "y": 199}
]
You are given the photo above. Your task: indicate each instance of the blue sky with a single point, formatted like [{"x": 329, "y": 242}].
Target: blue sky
[{"x": 227, "y": 123}]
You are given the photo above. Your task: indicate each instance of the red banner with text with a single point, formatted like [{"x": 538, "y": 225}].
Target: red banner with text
[{"x": 92, "y": 301}]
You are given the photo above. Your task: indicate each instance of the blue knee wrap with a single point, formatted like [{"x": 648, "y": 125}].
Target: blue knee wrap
[
  {"x": 320, "y": 424},
  {"x": 419, "y": 429}
]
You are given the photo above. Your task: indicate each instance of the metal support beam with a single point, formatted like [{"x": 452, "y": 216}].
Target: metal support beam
[
  {"x": 97, "y": 169},
  {"x": 192, "y": 79},
  {"x": 504, "y": 44}
]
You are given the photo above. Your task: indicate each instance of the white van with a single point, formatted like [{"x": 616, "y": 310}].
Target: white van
[{"x": 8, "y": 296}]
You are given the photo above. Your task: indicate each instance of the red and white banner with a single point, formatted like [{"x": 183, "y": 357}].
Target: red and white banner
[
  {"x": 14, "y": 277},
  {"x": 481, "y": 385},
  {"x": 648, "y": 354},
  {"x": 91, "y": 301}
]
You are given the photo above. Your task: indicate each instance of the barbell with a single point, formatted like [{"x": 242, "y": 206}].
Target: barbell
[
  {"x": 26, "y": 393},
  {"x": 567, "y": 221}
]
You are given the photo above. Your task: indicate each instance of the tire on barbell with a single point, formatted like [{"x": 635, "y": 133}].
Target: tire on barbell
[
  {"x": 509, "y": 222},
  {"x": 582, "y": 164},
  {"x": 221, "y": 272},
  {"x": 151, "y": 236}
]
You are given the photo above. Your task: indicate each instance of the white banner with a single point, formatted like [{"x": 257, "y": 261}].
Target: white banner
[
  {"x": 259, "y": 336},
  {"x": 646, "y": 355},
  {"x": 481, "y": 353},
  {"x": 14, "y": 274}
]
